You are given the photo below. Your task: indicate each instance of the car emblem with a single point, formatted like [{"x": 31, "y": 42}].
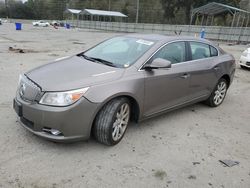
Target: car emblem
[{"x": 22, "y": 89}]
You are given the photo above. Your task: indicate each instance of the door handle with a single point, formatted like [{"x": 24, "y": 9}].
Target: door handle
[{"x": 185, "y": 76}]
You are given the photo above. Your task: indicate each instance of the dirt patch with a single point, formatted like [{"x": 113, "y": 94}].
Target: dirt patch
[
  {"x": 23, "y": 50},
  {"x": 161, "y": 174},
  {"x": 81, "y": 43}
]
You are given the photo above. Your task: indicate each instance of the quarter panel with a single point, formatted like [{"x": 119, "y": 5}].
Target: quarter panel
[
  {"x": 205, "y": 74},
  {"x": 228, "y": 66}
]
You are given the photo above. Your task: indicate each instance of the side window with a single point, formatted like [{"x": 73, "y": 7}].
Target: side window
[
  {"x": 213, "y": 51},
  {"x": 173, "y": 52},
  {"x": 199, "y": 50}
]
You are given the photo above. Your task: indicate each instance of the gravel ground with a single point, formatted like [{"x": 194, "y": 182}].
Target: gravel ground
[{"x": 179, "y": 149}]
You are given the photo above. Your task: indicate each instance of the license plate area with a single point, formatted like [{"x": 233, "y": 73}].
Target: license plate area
[{"x": 18, "y": 108}]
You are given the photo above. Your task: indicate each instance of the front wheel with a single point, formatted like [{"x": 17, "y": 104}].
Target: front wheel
[
  {"x": 242, "y": 66},
  {"x": 219, "y": 93},
  {"x": 112, "y": 121}
]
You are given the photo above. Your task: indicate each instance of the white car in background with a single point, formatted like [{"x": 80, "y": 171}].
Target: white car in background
[
  {"x": 40, "y": 23},
  {"x": 245, "y": 58}
]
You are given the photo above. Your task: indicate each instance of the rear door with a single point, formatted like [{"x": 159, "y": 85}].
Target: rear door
[
  {"x": 202, "y": 69},
  {"x": 166, "y": 88}
]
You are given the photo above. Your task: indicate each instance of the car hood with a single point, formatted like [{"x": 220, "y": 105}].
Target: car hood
[{"x": 72, "y": 73}]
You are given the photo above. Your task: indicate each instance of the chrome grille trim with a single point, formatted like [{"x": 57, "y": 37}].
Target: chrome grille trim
[{"x": 28, "y": 90}]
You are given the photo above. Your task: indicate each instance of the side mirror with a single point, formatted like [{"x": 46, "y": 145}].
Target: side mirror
[{"x": 158, "y": 63}]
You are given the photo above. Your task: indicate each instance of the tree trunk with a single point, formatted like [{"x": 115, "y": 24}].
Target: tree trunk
[{"x": 187, "y": 13}]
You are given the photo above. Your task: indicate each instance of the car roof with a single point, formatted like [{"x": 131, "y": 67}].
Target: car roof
[{"x": 166, "y": 38}]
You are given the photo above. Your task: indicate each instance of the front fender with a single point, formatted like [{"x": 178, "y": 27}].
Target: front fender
[{"x": 132, "y": 86}]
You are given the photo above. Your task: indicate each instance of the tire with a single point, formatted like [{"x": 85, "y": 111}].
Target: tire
[
  {"x": 110, "y": 125},
  {"x": 243, "y": 67},
  {"x": 219, "y": 93}
]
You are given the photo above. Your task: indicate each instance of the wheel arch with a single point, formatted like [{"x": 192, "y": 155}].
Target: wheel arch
[
  {"x": 227, "y": 78},
  {"x": 135, "y": 107},
  {"x": 135, "y": 113}
]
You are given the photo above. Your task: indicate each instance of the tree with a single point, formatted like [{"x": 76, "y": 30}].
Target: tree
[
  {"x": 151, "y": 11},
  {"x": 171, "y": 7},
  {"x": 3, "y": 12}
]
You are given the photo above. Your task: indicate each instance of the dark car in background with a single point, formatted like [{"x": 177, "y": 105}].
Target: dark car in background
[{"x": 126, "y": 78}]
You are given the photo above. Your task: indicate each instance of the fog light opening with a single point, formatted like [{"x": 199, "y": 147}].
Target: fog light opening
[{"x": 54, "y": 132}]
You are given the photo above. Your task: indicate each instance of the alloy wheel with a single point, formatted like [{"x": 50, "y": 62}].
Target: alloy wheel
[
  {"x": 121, "y": 122},
  {"x": 220, "y": 93}
]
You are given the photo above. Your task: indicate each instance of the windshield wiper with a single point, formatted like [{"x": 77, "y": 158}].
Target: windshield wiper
[
  {"x": 99, "y": 60},
  {"x": 105, "y": 62},
  {"x": 87, "y": 57}
]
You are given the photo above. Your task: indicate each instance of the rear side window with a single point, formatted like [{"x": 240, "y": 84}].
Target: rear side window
[
  {"x": 199, "y": 50},
  {"x": 213, "y": 51}
]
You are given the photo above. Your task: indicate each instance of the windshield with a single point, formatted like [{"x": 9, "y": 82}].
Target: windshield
[{"x": 119, "y": 51}]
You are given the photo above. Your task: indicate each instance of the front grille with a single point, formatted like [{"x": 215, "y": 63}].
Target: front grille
[
  {"x": 27, "y": 123},
  {"x": 28, "y": 90},
  {"x": 248, "y": 63}
]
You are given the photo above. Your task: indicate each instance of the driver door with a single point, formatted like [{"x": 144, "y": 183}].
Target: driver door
[{"x": 167, "y": 88}]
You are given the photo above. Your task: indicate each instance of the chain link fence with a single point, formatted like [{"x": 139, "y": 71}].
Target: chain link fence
[{"x": 235, "y": 34}]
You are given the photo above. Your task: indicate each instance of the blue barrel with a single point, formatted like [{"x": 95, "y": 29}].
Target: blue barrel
[
  {"x": 68, "y": 26},
  {"x": 18, "y": 26},
  {"x": 203, "y": 33}
]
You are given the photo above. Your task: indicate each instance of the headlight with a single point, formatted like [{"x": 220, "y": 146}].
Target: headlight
[
  {"x": 245, "y": 53},
  {"x": 62, "y": 98},
  {"x": 20, "y": 79}
]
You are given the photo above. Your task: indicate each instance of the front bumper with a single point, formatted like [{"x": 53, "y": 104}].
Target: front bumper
[
  {"x": 244, "y": 61},
  {"x": 74, "y": 121}
]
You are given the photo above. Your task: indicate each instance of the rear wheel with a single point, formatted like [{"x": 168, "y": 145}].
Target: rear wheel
[
  {"x": 112, "y": 121},
  {"x": 219, "y": 93}
]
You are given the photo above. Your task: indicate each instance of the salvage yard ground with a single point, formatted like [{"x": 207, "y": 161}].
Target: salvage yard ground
[{"x": 179, "y": 149}]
